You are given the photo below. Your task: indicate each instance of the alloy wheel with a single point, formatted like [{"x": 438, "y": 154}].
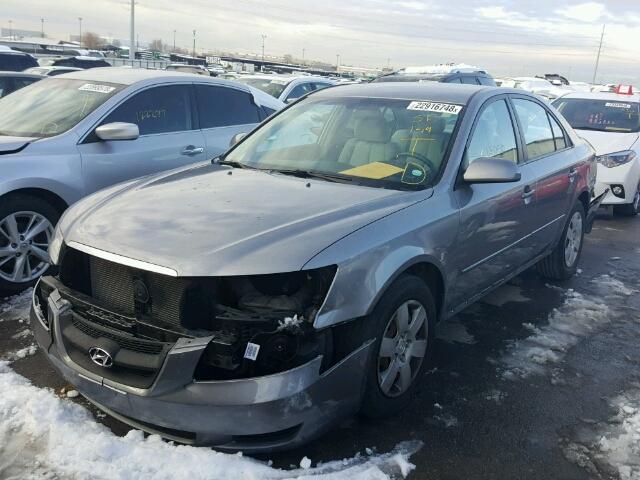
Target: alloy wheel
[
  {"x": 24, "y": 241},
  {"x": 573, "y": 239},
  {"x": 403, "y": 348}
]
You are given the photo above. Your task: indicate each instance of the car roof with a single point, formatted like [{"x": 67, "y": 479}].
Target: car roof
[
  {"x": 431, "y": 91},
  {"x": 603, "y": 96},
  {"x": 129, "y": 76}
]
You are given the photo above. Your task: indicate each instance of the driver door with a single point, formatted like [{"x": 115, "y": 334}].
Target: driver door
[
  {"x": 495, "y": 218},
  {"x": 167, "y": 138}
]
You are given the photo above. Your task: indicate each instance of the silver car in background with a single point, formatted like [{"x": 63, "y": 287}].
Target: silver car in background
[
  {"x": 253, "y": 302},
  {"x": 71, "y": 135}
]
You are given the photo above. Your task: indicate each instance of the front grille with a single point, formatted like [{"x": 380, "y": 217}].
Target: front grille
[
  {"x": 112, "y": 284},
  {"x": 129, "y": 343}
]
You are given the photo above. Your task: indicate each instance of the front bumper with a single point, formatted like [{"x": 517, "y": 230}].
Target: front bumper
[
  {"x": 627, "y": 175},
  {"x": 273, "y": 412}
]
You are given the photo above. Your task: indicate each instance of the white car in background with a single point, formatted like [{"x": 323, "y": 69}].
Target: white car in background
[
  {"x": 286, "y": 88},
  {"x": 610, "y": 122},
  {"x": 539, "y": 86}
]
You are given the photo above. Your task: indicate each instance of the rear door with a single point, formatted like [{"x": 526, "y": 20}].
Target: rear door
[
  {"x": 222, "y": 113},
  {"x": 496, "y": 218},
  {"x": 168, "y": 138},
  {"x": 548, "y": 148}
]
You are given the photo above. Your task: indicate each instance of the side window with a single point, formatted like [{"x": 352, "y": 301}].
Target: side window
[
  {"x": 320, "y": 86},
  {"x": 469, "y": 80},
  {"x": 493, "y": 135},
  {"x": 298, "y": 91},
  {"x": 224, "y": 106},
  {"x": 156, "y": 110},
  {"x": 20, "y": 82},
  {"x": 558, "y": 134},
  {"x": 536, "y": 129},
  {"x": 485, "y": 81}
]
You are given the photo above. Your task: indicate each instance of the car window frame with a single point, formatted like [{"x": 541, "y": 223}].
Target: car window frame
[
  {"x": 196, "y": 114},
  {"x": 90, "y": 137},
  {"x": 567, "y": 140},
  {"x": 483, "y": 107}
]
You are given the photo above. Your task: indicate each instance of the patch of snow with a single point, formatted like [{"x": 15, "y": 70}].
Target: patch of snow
[
  {"x": 615, "y": 444},
  {"x": 44, "y": 436},
  {"x": 505, "y": 294},
  {"x": 16, "y": 307},
  {"x": 305, "y": 463},
  {"x": 72, "y": 394},
  {"x": 22, "y": 353},
  {"x": 580, "y": 315},
  {"x": 290, "y": 323}
]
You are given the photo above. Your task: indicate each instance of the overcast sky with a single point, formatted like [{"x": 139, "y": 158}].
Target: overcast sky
[{"x": 513, "y": 37}]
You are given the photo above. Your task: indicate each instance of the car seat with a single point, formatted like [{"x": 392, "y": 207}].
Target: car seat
[{"x": 371, "y": 143}]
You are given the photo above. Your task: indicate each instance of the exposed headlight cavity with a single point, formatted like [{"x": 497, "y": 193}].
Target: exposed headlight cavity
[{"x": 611, "y": 160}]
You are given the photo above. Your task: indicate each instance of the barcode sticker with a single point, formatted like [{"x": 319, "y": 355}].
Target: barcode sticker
[
  {"x": 435, "y": 107},
  {"x": 93, "y": 87},
  {"x": 251, "y": 352}
]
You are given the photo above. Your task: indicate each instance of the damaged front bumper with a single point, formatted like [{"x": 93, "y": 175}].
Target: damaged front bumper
[
  {"x": 277, "y": 411},
  {"x": 594, "y": 205}
]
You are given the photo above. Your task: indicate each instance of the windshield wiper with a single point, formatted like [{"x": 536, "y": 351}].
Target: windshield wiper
[{"x": 331, "y": 177}]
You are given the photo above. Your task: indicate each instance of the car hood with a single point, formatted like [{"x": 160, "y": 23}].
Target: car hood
[
  {"x": 214, "y": 220},
  {"x": 608, "y": 142},
  {"x": 13, "y": 144}
]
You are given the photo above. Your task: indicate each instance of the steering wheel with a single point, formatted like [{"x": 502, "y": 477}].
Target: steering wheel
[{"x": 421, "y": 158}]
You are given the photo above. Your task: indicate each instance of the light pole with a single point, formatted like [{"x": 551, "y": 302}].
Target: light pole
[
  {"x": 42, "y": 27},
  {"x": 132, "y": 27},
  {"x": 303, "y": 50},
  {"x": 263, "y": 38},
  {"x": 194, "y": 44},
  {"x": 337, "y": 62},
  {"x": 595, "y": 70},
  {"x": 10, "y": 29},
  {"x": 80, "y": 30},
  {"x": 174, "y": 41}
]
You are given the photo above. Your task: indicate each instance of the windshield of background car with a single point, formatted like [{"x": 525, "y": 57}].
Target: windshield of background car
[
  {"x": 602, "y": 115},
  {"x": 381, "y": 142},
  {"x": 52, "y": 106},
  {"x": 272, "y": 86}
]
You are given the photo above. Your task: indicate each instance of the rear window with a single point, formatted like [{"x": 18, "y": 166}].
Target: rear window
[
  {"x": 12, "y": 62},
  {"x": 600, "y": 115}
]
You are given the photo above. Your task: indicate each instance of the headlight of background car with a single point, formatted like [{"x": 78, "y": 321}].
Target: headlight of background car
[
  {"x": 611, "y": 160},
  {"x": 55, "y": 245}
]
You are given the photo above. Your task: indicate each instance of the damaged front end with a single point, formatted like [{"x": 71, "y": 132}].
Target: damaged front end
[
  {"x": 231, "y": 362},
  {"x": 257, "y": 325}
]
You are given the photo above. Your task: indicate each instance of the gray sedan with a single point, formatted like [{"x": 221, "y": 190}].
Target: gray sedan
[
  {"x": 253, "y": 302},
  {"x": 65, "y": 137}
]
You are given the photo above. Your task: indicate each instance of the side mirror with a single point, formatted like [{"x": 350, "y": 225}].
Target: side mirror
[
  {"x": 491, "y": 170},
  {"x": 291, "y": 100},
  {"x": 118, "y": 131},
  {"x": 236, "y": 138}
]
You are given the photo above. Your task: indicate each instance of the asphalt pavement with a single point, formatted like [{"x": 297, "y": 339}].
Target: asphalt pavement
[{"x": 521, "y": 385}]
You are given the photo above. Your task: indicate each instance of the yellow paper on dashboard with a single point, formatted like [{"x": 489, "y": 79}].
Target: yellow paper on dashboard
[{"x": 375, "y": 170}]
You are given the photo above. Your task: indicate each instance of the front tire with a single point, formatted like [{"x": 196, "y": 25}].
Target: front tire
[
  {"x": 563, "y": 261},
  {"x": 26, "y": 229},
  {"x": 403, "y": 325}
]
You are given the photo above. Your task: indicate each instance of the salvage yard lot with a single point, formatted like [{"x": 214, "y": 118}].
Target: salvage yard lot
[{"x": 538, "y": 380}]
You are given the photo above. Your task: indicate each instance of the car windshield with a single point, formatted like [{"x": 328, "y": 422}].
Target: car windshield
[
  {"x": 52, "y": 106},
  {"x": 272, "y": 86},
  {"x": 602, "y": 115},
  {"x": 381, "y": 142}
]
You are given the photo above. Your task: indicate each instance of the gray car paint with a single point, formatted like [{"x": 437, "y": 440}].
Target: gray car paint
[
  {"x": 63, "y": 166},
  {"x": 214, "y": 220}
]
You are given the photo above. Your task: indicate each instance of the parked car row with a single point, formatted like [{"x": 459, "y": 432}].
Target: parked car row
[{"x": 241, "y": 258}]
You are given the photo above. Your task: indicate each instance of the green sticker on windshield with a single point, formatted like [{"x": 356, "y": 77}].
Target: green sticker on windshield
[{"x": 414, "y": 174}]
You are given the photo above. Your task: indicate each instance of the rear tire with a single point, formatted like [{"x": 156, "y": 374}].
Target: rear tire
[
  {"x": 562, "y": 262},
  {"x": 404, "y": 319},
  {"x": 629, "y": 209},
  {"x": 21, "y": 215}
]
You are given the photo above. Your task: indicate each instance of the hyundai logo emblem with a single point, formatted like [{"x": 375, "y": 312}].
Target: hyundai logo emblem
[
  {"x": 100, "y": 357},
  {"x": 140, "y": 291}
]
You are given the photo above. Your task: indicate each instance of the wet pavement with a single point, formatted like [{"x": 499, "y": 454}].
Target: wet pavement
[{"x": 523, "y": 383}]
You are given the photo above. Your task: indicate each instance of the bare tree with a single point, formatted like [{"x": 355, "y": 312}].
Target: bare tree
[
  {"x": 91, "y": 40},
  {"x": 156, "y": 45}
]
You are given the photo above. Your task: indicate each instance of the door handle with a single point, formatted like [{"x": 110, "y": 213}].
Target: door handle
[
  {"x": 190, "y": 150},
  {"x": 572, "y": 174},
  {"x": 528, "y": 193}
]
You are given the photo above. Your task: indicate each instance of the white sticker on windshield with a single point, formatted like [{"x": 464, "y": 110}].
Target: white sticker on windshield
[
  {"x": 617, "y": 105},
  {"x": 92, "y": 87},
  {"x": 435, "y": 107}
]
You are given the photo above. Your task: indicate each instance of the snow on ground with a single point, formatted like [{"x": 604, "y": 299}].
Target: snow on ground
[
  {"x": 579, "y": 316},
  {"x": 612, "y": 448},
  {"x": 16, "y": 307},
  {"x": 43, "y": 436}
]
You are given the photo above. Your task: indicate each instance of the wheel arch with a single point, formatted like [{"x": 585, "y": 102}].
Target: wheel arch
[{"x": 47, "y": 195}]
